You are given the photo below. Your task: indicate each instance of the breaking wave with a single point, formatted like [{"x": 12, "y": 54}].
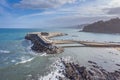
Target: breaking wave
[
  {"x": 4, "y": 51},
  {"x": 43, "y": 54},
  {"x": 57, "y": 71},
  {"x": 25, "y": 61}
]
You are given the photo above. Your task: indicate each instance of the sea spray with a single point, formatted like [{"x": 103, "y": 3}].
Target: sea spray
[
  {"x": 58, "y": 69},
  {"x": 30, "y": 51}
]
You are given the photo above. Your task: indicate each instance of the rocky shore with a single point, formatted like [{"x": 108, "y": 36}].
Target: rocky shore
[
  {"x": 74, "y": 71},
  {"x": 41, "y": 43}
]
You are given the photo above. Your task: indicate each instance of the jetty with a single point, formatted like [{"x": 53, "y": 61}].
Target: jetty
[{"x": 44, "y": 42}]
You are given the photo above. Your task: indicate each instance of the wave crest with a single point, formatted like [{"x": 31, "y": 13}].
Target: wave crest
[
  {"x": 25, "y": 61},
  {"x": 4, "y": 51}
]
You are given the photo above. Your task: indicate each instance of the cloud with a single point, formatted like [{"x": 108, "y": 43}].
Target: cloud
[
  {"x": 56, "y": 12},
  {"x": 66, "y": 16},
  {"x": 69, "y": 11},
  {"x": 41, "y": 4},
  {"x": 113, "y": 11},
  {"x": 75, "y": 20},
  {"x": 113, "y": 7},
  {"x": 114, "y": 3}
]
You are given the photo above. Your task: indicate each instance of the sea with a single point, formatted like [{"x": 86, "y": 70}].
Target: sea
[{"x": 19, "y": 62}]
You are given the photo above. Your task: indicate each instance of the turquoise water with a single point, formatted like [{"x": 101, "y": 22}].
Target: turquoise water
[
  {"x": 14, "y": 52},
  {"x": 18, "y": 62}
]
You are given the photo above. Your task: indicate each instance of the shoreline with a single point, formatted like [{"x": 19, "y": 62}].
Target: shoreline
[
  {"x": 43, "y": 40},
  {"x": 74, "y": 71},
  {"x": 67, "y": 69}
]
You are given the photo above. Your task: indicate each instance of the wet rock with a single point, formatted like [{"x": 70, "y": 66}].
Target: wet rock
[
  {"x": 118, "y": 64},
  {"x": 39, "y": 45},
  {"x": 92, "y": 62},
  {"x": 76, "y": 72}
]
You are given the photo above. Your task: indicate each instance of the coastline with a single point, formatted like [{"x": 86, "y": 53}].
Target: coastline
[
  {"x": 44, "y": 40},
  {"x": 73, "y": 71},
  {"x": 108, "y": 58}
]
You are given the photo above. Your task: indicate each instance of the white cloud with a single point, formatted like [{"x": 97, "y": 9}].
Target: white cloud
[
  {"x": 69, "y": 11},
  {"x": 114, "y": 3},
  {"x": 112, "y": 8},
  {"x": 75, "y": 20},
  {"x": 72, "y": 15},
  {"x": 77, "y": 13},
  {"x": 38, "y": 14},
  {"x": 38, "y": 4}
]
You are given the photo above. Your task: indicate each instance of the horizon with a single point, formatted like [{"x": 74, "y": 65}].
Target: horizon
[{"x": 55, "y": 13}]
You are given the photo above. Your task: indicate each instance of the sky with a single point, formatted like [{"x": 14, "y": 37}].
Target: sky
[{"x": 55, "y": 13}]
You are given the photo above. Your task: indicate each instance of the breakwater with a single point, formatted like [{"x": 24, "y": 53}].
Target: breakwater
[{"x": 42, "y": 42}]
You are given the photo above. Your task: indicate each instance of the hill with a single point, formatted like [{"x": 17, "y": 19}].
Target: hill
[{"x": 110, "y": 26}]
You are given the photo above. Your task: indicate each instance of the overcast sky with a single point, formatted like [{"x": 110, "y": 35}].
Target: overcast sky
[{"x": 55, "y": 13}]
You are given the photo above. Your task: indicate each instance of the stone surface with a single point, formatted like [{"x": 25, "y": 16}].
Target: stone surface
[
  {"x": 39, "y": 45},
  {"x": 76, "y": 72}
]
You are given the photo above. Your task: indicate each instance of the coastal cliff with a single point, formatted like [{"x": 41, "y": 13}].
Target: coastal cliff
[{"x": 110, "y": 26}]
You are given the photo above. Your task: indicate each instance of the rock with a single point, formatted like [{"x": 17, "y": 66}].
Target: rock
[
  {"x": 44, "y": 33},
  {"x": 92, "y": 62},
  {"x": 76, "y": 72},
  {"x": 39, "y": 45},
  {"x": 118, "y": 64}
]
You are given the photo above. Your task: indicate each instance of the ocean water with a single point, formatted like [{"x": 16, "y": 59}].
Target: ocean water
[{"x": 19, "y": 62}]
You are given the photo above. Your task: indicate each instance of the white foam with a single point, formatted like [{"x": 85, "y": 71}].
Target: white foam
[
  {"x": 13, "y": 61},
  {"x": 25, "y": 61},
  {"x": 29, "y": 47},
  {"x": 54, "y": 75},
  {"x": 29, "y": 50},
  {"x": 112, "y": 50},
  {"x": 58, "y": 69},
  {"x": 4, "y": 51},
  {"x": 43, "y": 54}
]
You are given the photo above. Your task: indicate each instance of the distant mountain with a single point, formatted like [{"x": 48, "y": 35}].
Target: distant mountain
[
  {"x": 77, "y": 26},
  {"x": 110, "y": 26}
]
